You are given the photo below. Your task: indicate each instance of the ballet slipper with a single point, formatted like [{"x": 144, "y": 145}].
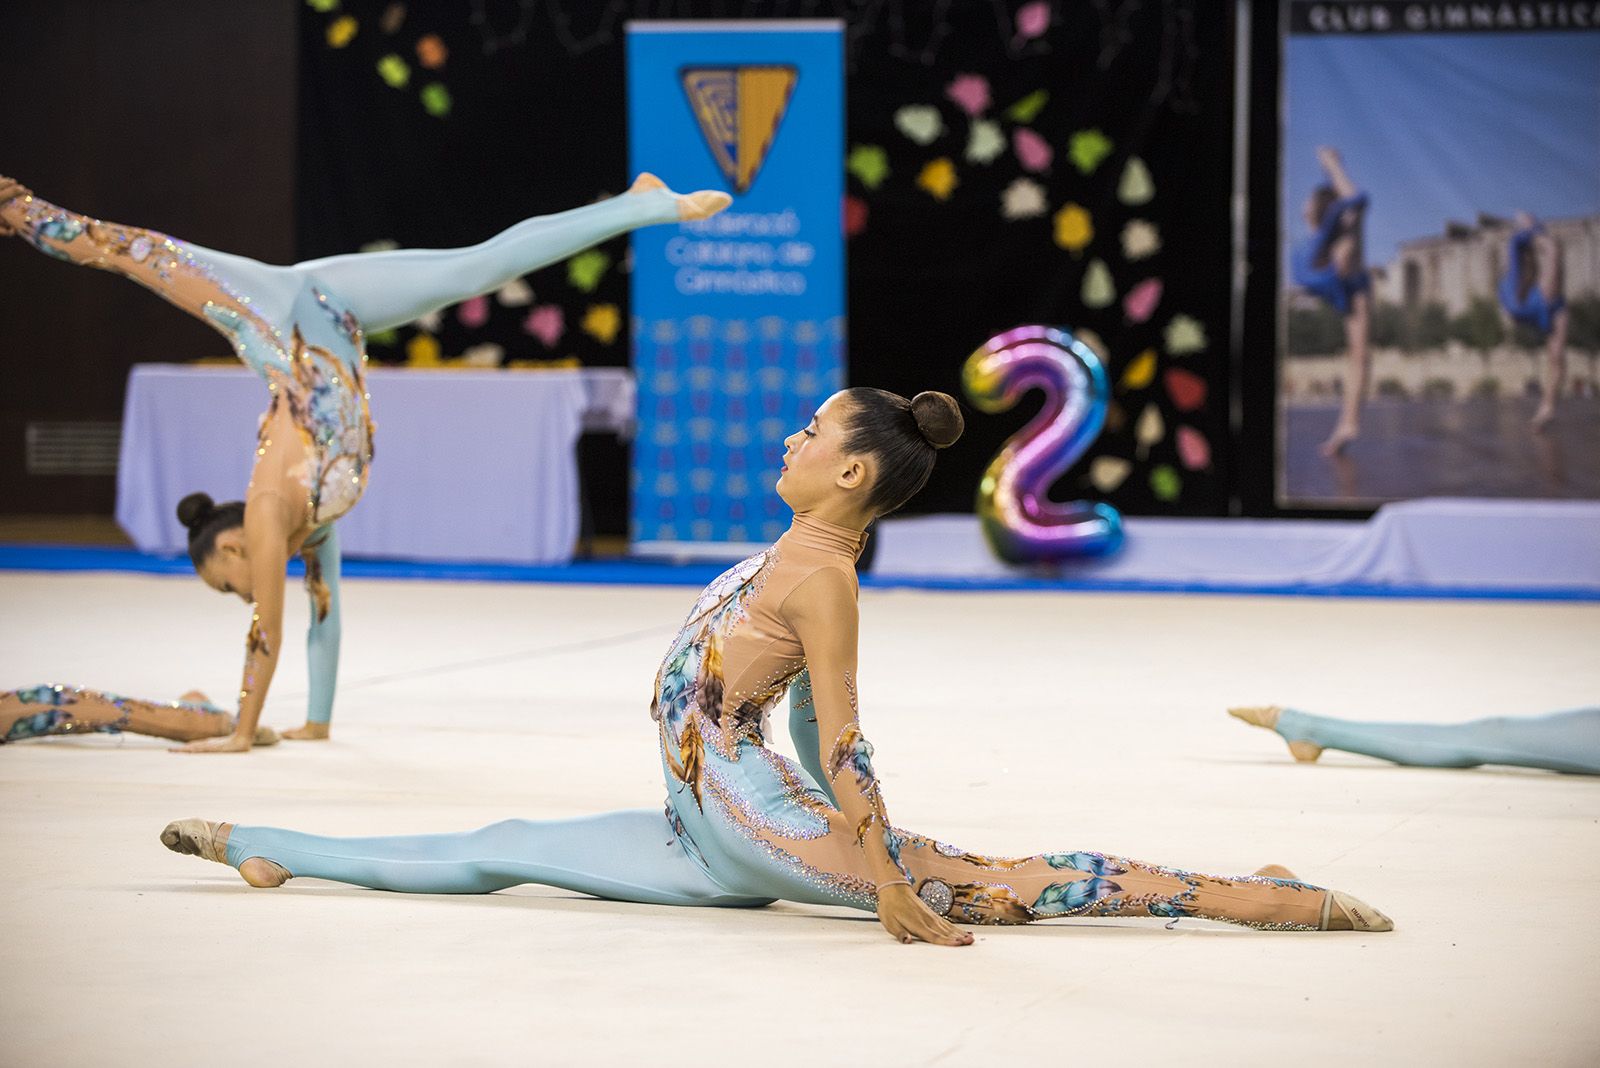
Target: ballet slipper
[
  {"x": 1345, "y": 912},
  {"x": 264, "y": 874},
  {"x": 691, "y": 206},
  {"x": 196, "y": 838},
  {"x": 265, "y": 735},
  {"x": 1267, "y": 716}
]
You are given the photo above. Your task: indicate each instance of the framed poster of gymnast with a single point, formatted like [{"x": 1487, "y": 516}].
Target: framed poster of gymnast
[{"x": 1439, "y": 312}]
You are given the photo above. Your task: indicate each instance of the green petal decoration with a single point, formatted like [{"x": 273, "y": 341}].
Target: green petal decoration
[
  {"x": 1185, "y": 335},
  {"x": 1165, "y": 483},
  {"x": 383, "y": 337},
  {"x": 436, "y": 100},
  {"x": 1136, "y": 186},
  {"x": 586, "y": 269},
  {"x": 1098, "y": 290},
  {"x": 323, "y": 6},
  {"x": 393, "y": 70},
  {"x": 869, "y": 163},
  {"x": 1088, "y": 149},
  {"x": 1027, "y": 109}
]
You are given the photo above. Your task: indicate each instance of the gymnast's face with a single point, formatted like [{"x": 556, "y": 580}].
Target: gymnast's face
[
  {"x": 227, "y": 569},
  {"x": 816, "y": 467}
]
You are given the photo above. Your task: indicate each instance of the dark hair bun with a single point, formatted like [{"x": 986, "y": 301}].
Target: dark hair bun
[
  {"x": 938, "y": 417},
  {"x": 195, "y": 509}
]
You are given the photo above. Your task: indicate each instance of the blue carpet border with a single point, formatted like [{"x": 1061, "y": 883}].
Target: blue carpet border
[{"x": 646, "y": 572}]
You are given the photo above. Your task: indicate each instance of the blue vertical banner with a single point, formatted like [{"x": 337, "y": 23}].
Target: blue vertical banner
[{"x": 738, "y": 320}]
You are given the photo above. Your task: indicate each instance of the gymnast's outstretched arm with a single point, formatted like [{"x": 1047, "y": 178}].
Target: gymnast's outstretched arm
[{"x": 822, "y": 611}]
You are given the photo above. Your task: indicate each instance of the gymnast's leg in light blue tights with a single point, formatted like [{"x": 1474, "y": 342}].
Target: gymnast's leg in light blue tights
[
  {"x": 623, "y": 856},
  {"x": 1560, "y": 741}
]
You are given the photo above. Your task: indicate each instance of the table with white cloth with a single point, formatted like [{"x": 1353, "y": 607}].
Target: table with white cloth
[{"x": 469, "y": 465}]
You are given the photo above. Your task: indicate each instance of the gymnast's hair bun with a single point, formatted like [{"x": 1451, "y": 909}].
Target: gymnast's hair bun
[
  {"x": 195, "y": 509},
  {"x": 938, "y": 417}
]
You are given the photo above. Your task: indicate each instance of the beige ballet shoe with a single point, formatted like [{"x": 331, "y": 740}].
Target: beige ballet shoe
[
  {"x": 1267, "y": 716},
  {"x": 1276, "y": 871},
  {"x": 196, "y": 838},
  {"x": 1344, "y": 912},
  {"x": 265, "y": 735},
  {"x": 691, "y": 206}
]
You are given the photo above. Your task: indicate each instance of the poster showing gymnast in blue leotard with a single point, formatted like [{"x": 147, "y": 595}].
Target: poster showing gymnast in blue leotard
[{"x": 1439, "y": 306}]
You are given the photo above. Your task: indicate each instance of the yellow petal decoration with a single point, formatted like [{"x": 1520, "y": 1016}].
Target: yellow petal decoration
[
  {"x": 602, "y": 322},
  {"x": 422, "y": 351},
  {"x": 341, "y": 31},
  {"x": 939, "y": 178},
  {"x": 1098, "y": 290},
  {"x": 1141, "y": 372},
  {"x": 1074, "y": 227}
]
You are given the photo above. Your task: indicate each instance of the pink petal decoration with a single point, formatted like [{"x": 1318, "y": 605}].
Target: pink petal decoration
[
  {"x": 1141, "y": 301},
  {"x": 1187, "y": 389},
  {"x": 1193, "y": 451},
  {"x": 473, "y": 313},
  {"x": 970, "y": 92},
  {"x": 1033, "y": 151},
  {"x": 547, "y": 323},
  {"x": 855, "y": 215},
  {"x": 1032, "y": 20}
]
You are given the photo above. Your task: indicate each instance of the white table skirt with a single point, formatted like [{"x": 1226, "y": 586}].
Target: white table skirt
[{"x": 470, "y": 465}]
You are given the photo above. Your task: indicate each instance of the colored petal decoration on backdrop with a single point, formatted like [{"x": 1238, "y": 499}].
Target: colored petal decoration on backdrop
[
  {"x": 1098, "y": 290},
  {"x": 1027, "y": 109},
  {"x": 1032, "y": 20},
  {"x": 1022, "y": 199},
  {"x": 1187, "y": 389},
  {"x": 1140, "y": 239},
  {"x": 939, "y": 178},
  {"x": 473, "y": 313},
  {"x": 431, "y": 52},
  {"x": 586, "y": 269},
  {"x": 1088, "y": 149},
  {"x": 602, "y": 322},
  {"x": 515, "y": 294},
  {"x": 855, "y": 215},
  {"x": 394, "y": 72},
  {"x": 423, "y": 351},
  {"x": 1185, "y": 335},
  {"x": 1141, "y": 370},
  {"x": 1074, "y": 227},
  {"x": 547, "y": 323},
  {"x": 394, "y": 16},
  {"x": 1150, "y": 428},
  {"x": 487, "y": 354},
  {"x": 1033, "y": 151},
  {"x": 436, "y": 100},
  {"x": 341, "y": 31},
  {"x": 1106, "y": 473},
  {"x": 1193, "y": 450},
  {"x": 869, "y": 163},
  {"x": 1141, "y": 301},
  {"x": 1165, "y": 483},
  {"x": 920, "y": 122},
  {"x": 1136, "y": 186},
  {"x": 985, "y": 142},
  {"x": 969, "y": 92}
]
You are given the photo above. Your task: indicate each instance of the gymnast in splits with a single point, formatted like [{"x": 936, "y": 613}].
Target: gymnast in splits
[
  {"x": 1532, "y": 293},
  {"x": 743, "y": 825},
  {"x": 1328, "y": 262},
  {"x": 302, "y": 329}
]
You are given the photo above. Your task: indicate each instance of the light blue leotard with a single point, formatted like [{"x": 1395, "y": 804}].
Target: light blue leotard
[{"x": 1561, "y": 741}]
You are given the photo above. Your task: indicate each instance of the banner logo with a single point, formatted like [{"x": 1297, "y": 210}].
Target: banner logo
[{"x": 739, "y": 110}]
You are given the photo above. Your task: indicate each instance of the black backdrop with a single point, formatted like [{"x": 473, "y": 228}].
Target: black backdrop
[{"x": 436, "y": 124}]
